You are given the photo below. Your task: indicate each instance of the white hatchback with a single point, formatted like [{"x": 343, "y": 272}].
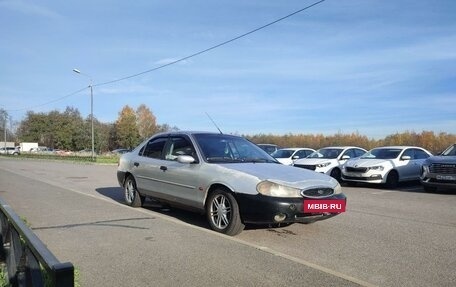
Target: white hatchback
[
  {"x": 287, "y": 156},
  {"x": 329, "y": 160},
  {"x": 386, "y": 165}
]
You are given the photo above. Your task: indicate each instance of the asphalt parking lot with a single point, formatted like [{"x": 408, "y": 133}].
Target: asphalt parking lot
[{"x": 402, "y": 237}]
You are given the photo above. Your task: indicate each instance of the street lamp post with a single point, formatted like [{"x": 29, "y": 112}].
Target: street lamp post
[{"x": 91, "y": 108}]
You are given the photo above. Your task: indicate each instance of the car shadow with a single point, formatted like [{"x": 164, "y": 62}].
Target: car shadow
[
  {"x": 116, "y": 194},
  {"x": 189, "y": 217}
]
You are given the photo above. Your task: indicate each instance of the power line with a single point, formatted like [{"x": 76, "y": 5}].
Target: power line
[
  {"x": 50, "y": 102},
  {"x": 211, "y": 48},
  {"x": 179, "y": 60}
]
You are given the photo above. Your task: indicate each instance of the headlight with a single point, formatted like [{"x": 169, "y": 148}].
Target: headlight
[
  {"x": 377, "y": 167},
  {"x": 277, "y": 190},
  {"x": 337, "y": 189},
  {"x": 325, "y": 164}
]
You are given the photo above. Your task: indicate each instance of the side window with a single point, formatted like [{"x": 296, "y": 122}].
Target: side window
[
  {"x": 350, "y": 153},
  {"x": 359, "y": 152},
  {"x": 409, "y": 152},
  {"x": 419, "y": 154},
  {"x": 179, "y": 146},
  {"x": 154, "y": 148},
  {"x": 301, "y": 153}
]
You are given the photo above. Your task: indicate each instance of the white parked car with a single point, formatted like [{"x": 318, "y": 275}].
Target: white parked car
[
  {"x": 386, "y": 165},
  {"x": 287, "y": 156},
  {"x": 329, "y": 160}
]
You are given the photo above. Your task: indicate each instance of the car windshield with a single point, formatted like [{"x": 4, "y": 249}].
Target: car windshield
[
  {"x": 382, "y": 153},
  {"x": 451, "y": 151},
  {"x": 282, "y": 153},
  {"x": 326, "y": 153},
  {"x": 219, "y": 148}
]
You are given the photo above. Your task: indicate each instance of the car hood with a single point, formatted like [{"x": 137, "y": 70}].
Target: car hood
[
  {"x": 364, "y": 162},
  {"x": 314, "y": 161},
  {"x": 441, "y": 159},
  {"x": 282, "y": 174}
]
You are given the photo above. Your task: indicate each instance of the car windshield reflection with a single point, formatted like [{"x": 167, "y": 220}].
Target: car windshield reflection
[
  {"x": 326, "y": 153},
  {"x": 230, "y": 149},
  {"x": 382, "y": 153}
]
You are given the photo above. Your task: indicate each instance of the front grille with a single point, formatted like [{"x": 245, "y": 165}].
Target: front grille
[
  {"x": 317, "y": 192},
  {"x": 443, "y": 168},
  {"x": 356, "y": 169},
  {"x": 306, "y": 166}
]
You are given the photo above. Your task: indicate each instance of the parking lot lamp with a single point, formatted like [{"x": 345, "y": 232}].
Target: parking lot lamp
[{"x": 91, "y": 108}]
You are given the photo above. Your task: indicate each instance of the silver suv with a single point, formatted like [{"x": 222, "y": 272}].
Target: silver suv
[
  {"x": 440, "y": 171},
  {"x": 10, "y": 150}
]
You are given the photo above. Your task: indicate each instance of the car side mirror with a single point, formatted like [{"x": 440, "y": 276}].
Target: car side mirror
[
  {"x": 345, "y": 157},
  {"x": 406, "y": 157},
  {"x": 185, "y": 159},
  {"x": 295, "y": 157}
]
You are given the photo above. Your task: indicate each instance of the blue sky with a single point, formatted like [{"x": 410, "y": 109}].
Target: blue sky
[{"x": 370, "y": 66}]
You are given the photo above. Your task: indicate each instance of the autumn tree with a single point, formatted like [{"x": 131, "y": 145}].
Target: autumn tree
[
  {"x": 126, "y": 129},
  {"x": 146, "y": 122}
]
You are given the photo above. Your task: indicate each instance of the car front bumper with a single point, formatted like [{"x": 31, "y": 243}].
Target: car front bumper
[
  {"x": 260, "y": 209},
  {"x": 368, "y": 178},
  {"x": 439, "y": 180}
]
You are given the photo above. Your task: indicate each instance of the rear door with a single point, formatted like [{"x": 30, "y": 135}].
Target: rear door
[{"x": 146, "y": 167}]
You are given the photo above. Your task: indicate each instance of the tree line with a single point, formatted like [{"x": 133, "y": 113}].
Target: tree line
[
  {"x": 434, "y": 142},
  {"x": 68, "y": 130}
]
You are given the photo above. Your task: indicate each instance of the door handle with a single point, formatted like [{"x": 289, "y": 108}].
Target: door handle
[
  {"x": 164, "y": 168},
  {"x": 136, "y": 164}
]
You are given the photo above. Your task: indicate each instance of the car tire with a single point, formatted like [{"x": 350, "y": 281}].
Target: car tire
[
  {"x": 223, "y": 214},
  {"x": 131, "y": 194},
  {"x": 336, "y": 174},
  {"x": 392, "y": 179}
]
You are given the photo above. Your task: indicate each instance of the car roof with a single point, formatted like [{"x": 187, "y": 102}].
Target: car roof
[
  {"x": 398, "y": 147},
  {"x": 342, "y": 147},
  {"x": 188, "y": 133},
  {"x": 296, "y": 148}
]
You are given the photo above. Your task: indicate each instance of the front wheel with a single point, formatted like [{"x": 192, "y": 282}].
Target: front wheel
[
  {"x": 392, "y": 179},
  {"x": 223, "y": 213},
  {"x": 336, "y": 174},
  {"x": 132, "y": 196}
]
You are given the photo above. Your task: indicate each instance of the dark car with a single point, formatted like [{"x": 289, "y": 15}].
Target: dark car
[
  {"x": 226, "y": 177},
  {"x": 440, "y": 171}
]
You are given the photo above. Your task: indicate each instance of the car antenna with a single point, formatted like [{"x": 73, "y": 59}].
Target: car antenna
[{"x": 213, "y": 123}]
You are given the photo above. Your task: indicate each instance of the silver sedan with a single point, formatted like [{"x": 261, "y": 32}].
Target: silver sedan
[{"x": 226, "y": 177}]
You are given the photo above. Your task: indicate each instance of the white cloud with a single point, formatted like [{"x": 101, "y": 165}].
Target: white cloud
[{"x": 29, "y": 8}]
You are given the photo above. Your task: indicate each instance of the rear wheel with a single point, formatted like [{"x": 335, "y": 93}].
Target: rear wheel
[
  {"x": 223, "y": 214},
  {"x": 132, "y": 196},
  {"x": 392, "y": 179}
]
